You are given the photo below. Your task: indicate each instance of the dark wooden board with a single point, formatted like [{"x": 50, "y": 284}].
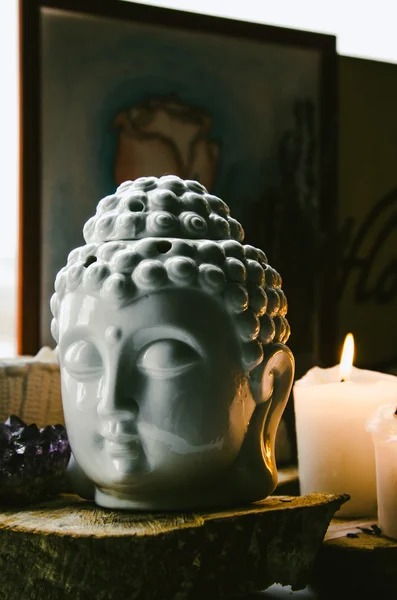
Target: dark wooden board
[
  {"x": 70, "y": 549},
  {"x": 356, "y": 558}
]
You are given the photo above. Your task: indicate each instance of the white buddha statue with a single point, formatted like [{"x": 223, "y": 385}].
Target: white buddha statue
[{"x": 171, "y": 341}]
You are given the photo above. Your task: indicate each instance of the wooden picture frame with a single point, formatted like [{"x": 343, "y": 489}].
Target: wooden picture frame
[{"x": 267, "y": 98}]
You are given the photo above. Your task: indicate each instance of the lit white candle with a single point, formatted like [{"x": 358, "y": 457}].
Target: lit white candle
[
  {"x": 335, "y": 451},
  {"x": 383, "y": 426}
]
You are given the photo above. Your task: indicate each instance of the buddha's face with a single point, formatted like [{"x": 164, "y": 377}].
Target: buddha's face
[{"x": 155, "y": 396}]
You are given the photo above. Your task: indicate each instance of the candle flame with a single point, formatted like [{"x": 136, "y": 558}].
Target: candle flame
[{"x": 346, "y": 361}]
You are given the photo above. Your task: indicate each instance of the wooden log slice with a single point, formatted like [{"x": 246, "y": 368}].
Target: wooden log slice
[{"x": 70, "y": 549}]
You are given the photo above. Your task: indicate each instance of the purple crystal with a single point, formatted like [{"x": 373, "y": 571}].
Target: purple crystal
[
  {"x": 30, "y": 434},
  {"x": 53, "y": 438},
  {"x": 8, "y": 458},
  {"x": 33, "y": 461},
  {"x": 15, "y": 424},
  {"x": 5, "y": 435},
  {"x": 28, "y": 440}
]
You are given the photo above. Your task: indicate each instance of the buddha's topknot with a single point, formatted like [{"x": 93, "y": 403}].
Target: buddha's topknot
[
  {"x": 146, "y": 238},
  {"x": 168, "y": 206}
]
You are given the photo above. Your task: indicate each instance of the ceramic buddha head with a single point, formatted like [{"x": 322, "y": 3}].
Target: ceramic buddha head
[{"x": 171, "y": 341}]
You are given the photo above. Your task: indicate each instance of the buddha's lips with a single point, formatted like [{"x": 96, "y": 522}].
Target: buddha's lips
[
  {"x": 121, "y": 438},
  {"x": 130, "y": 449},
  {"x": 119, "y": 431}
]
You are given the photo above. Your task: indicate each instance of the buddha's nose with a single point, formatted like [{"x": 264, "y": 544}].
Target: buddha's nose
[
  {"x": 118, "y": 425},
  {"x": 118, "y": 421},
  {"x": 110, "y": 406}
]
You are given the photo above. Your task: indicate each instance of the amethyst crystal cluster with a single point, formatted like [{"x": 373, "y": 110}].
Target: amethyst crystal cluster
[{"x": 33, "y": 461}]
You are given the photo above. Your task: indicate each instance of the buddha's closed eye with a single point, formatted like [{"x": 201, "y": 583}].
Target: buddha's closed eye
[
  {"x": 167, "y": 358},
  {"x": 83, "y": 360}
]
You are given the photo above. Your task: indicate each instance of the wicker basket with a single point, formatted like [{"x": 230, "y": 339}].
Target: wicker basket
[{"x": 30, "y": 388}]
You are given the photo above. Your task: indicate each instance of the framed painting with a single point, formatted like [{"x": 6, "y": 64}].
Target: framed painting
[
  {"x": 112, "y": 90},
  {"x": 367, "y": 285}
]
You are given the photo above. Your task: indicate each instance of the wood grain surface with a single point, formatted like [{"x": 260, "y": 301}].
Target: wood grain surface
[{"x": 69, "y": 548}]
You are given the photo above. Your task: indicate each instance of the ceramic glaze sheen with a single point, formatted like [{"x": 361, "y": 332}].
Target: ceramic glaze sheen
[{"x": 171, "y": 340}]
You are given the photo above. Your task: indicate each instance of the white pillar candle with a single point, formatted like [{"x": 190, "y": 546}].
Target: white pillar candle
[
  {"x": 335, "y": 451},
  {"x": 383, "y": 426}
]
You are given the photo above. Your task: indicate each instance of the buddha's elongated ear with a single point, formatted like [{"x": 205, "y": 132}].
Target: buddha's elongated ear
[
  {"x": 255, "y": 468},
  {"x": 276, "y": 383},
  {"x": 278, "y": 361}
]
